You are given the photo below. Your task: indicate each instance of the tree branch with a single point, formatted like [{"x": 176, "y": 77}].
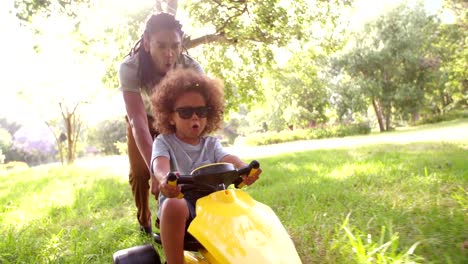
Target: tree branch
[{"x": 220, "y": 38}]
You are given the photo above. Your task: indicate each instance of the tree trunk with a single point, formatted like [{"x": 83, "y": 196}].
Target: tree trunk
[
  {"x": 378, "y": 113},
  {"x": 72, "y": 127},
  {"x": 415, "y": 117},
  {"x": 58, "y": 140},
  {"x": 69, "y": 128},
  {"x": 388, "y": 121},
  {"x": 76, "y": 132},
  {"x": 210, "y": 38}
]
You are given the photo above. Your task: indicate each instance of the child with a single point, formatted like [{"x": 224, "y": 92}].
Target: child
[{"x": 187, "y": 106}]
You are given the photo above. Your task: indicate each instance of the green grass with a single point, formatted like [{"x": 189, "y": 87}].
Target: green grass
[
  {"x": 380, "y": 203},
  {"x": 65, "y": 215},
  {"x": 340, "y": 205}
]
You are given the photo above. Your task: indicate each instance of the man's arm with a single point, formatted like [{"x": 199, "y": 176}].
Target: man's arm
[{"x": 139, "y": 122}]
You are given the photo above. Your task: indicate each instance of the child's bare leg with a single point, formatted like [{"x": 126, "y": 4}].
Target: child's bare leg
[{"x": 174, "y": 215}]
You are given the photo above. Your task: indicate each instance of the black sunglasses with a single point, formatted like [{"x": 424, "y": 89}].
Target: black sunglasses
[{"x": 187, "y": 112}]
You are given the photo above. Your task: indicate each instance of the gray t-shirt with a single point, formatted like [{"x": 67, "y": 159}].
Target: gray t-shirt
[
  {"x": 184, "y": 157},
  {"x": 129, "y": 81}
]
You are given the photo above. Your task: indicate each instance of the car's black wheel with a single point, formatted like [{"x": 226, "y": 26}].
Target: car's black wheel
[{"x": 145, "y": 254}]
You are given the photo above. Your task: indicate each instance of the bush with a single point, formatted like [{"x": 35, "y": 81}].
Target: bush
[
  {"x": 121, "y": 147},
  {"x": 7, "y": 130},
  {"x": 33, "y": 146},
  {"x": 319, "y": 133},
  {"x": 272, "y": 137},
  {"x": 106, "y": 134},
  {"x": 6, "y": 140},
  {"x": 353, "y": 129},
  {"x": 443, "y": 117}
]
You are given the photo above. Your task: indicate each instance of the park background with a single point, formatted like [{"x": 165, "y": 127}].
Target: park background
[{"x": 332, "y": 78}]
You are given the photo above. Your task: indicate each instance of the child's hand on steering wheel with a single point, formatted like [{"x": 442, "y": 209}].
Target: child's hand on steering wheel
[
  {"x": 169, "y": 190},
  {"x": 248, "y": 180}
]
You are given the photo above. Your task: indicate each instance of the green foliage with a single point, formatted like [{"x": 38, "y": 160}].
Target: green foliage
[
  {"x": 274, "y": 21},
  {"x": 6, "y": 140},
  {"x": 442, "y": 117},
  {"x": 263, "y": 117},
  {"x": 362, "y": 128},
  {"x": 239, "y": 71},
  {"x": 348, "y": 99},
  {"x": 452, "y": 86},
  {"x": 7, "y": 152},
  {"x": 121, "y": 37},
  {"x": 121, "y": 147},
  {"x": 302, "y": 93},
  {"x": 107, "y": 136},
  {"x": 390, "y": 64},
  {"x": 7, "y": 130},
  {"x": 245, "y": 36},
  {"x": 364, "y": 249},
  {"x": 273, "y": 137},
  {"x": 23, "y": 149},
  {"x": 26, "y": 9}
]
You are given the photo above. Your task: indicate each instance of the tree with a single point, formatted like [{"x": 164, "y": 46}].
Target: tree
[
  {"x": 241, "y": 39},
  {"x": 10, "y": 126},
  {"x": 390, "y": 61},
  {"x": 240, "y": 45},
  {"x": 107, "y": 133},
  {"x": 27, "y": 9},
  {"x": 8, "y": 129},
  {"x": 67, "y": 141},
  {"x": 245, "y": 34},
  {"x": 5, "y": 143},
  {"x": 34, "y": 145},
  {"x": 451, "y": 49},
  {"x": 347, "y": 99},
  {"x": 301, "y": 90},
  {"x": 460, "y": 10},
  {"x": 63, "y": 85}
]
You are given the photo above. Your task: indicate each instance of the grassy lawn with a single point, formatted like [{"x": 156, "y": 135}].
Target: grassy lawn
[{"x": 373, "y": 203}]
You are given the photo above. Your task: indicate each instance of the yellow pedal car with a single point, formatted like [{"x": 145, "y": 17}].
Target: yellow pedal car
[{"x": 229, "y": 226}]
